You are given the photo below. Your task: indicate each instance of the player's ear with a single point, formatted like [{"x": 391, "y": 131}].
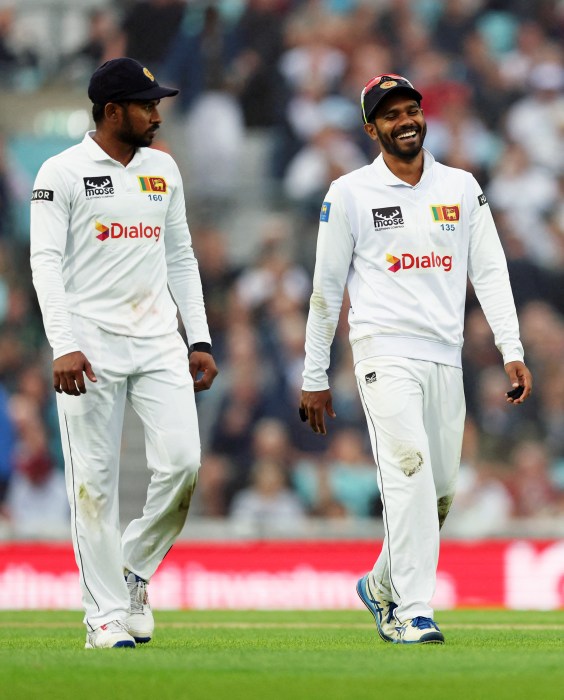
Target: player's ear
[
  {"x": 370, "y": 129},
  {"x": 111, "y": 111}
]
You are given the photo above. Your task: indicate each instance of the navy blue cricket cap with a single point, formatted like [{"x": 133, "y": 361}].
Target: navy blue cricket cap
[
  {"x": 123, "y": 79},
  {"x": 379, "y": 87}
]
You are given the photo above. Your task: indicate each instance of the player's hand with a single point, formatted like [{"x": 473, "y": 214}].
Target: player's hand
[
  {"x": 313, "y": 406},
  {"x": 520, "y": 377},
  {"x": 202, "y": 362},
  {"x": 69, "y": 371}
]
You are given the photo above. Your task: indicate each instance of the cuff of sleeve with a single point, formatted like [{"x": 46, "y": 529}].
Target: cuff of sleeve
[
  {"x": 312, "y": 386},
  {"x": 200, "y": 347},
  {"x": 512, "y": 358},
  {"x": 65, "y": 350}
]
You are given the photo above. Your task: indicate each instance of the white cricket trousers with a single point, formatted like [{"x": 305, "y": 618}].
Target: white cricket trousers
[
  {"x": 152, "y": 374},
  {"x": 415, "y": 412}
]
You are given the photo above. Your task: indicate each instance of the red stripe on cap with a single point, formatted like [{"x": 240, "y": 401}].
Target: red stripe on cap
[{"x": 371, "y": 83}]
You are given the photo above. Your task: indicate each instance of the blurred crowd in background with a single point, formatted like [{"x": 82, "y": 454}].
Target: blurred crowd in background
[{"x": 288, "y": 74}]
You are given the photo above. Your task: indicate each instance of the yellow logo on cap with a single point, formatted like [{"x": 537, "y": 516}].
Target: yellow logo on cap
[
  {"x": 149, "y": 74},
  {"x": 388, "y": 84}
]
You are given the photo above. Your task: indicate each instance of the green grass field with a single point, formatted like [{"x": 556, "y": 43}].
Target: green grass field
[{"x": 285, "y": 656}]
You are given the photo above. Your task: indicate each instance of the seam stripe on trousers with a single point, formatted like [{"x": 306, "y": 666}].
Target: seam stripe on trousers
[
  {"x": 377, "y": 461},
  {"x": 75, "y": 518}
]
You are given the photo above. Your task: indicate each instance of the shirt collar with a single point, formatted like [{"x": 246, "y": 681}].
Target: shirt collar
[
  {"x": 97, "y": 153},
  {"x": 386, "y": 176}
]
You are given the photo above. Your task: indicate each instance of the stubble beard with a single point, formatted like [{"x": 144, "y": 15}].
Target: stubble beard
[
  {"x": 389, "y": 145},
  {"x": 128, "y": 136}
]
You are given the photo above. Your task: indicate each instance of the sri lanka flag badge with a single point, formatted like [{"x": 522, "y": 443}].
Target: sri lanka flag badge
[
  {"x": 152, "y": 184},
  {"x": 445, "y": 212}
]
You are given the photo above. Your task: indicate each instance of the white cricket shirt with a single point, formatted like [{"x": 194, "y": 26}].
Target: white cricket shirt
[
  {"x": 405, "y": 252},
  {"x": 107, "y": 239}
]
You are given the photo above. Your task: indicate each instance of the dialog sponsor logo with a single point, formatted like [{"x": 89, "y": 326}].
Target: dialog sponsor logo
[
  {"x": 138, "y": 231},
  {"x": 409, "y": 261}
]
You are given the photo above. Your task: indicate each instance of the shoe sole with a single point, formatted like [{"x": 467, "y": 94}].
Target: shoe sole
[
  {"x": 125, "y": 644},
  {"x": 367, "y": 602},
  {"x": 422, "y": 641},
  {"x": 428, "y": 638},
  {"x": 141, "y": 637}
]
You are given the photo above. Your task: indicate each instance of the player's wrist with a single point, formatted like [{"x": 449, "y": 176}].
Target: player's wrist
[{"x": 200, "y": 347}]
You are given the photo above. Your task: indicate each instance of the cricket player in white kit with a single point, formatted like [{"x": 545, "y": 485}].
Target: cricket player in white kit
[
  {"x": 109, "y": 237},
  {"x": 403, "y": 234}
]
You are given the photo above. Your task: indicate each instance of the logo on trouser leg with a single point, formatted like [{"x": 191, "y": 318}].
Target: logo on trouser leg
[{"x": 370, "y": 378}]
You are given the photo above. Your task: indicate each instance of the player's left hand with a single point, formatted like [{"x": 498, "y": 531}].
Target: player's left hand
[
  {"x": 519, "y": 376},
  {"x": 202, "y": 362}
]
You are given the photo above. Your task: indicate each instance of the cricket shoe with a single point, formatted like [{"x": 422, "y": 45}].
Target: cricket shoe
[
  {"x": 111, "y": 635},
  {"x": 140, "y": 623},
  {"x": 419, "y": 630},
  {"x": 381, "y": 609}
]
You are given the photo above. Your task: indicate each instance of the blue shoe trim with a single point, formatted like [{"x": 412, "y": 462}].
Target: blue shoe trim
[
  {"x": 372, "y": 605},
  {"x": 125, "y": 643},
  {"x": 431, "y": 638},
  {"x": 142, "y": 640},
  {"x": 423, "y": 623}
]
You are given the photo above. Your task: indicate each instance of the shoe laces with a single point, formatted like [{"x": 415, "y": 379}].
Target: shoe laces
[
  {"x": 424, "y": 623},
  {"x": 390, "y": 616},
  {"x": 137, "y": 592}
]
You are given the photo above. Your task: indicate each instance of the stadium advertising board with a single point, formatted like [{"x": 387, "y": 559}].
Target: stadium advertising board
[{"x": 517, "y": 574}]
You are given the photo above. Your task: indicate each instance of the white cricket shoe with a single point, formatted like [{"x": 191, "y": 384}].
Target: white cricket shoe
[
  {"x": 381, "y": 609},
  {"x": 112, "y": 634},
  {"x": 419, "y": 630},
  {"x": 140, "y": 623}
]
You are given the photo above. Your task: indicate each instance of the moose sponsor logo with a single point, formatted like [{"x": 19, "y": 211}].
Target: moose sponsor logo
[
  {"x": 138, "y": 231},
  {"x": 409, "y": 261},
  {"x": 98, "y": 187},
  {"x": 387, "y": 218}
]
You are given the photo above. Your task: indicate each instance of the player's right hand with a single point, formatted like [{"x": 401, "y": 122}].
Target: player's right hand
[
  {"x": 313, "y": 406},
  {"x": 69, "y": 371},
  {"x": 203, "y": 370}
]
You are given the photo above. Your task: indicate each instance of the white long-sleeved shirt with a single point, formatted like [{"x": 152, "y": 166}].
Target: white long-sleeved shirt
[
  {"x": 405, "y": 252},
  {"x": 107, "y": 239}
]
